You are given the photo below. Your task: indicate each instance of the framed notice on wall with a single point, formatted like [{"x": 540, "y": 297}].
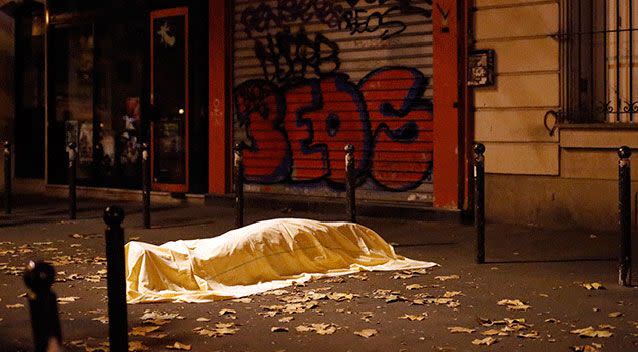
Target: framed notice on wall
[
  {"x": 481, "y": 68},
  {"x": 169, "y": 95}
]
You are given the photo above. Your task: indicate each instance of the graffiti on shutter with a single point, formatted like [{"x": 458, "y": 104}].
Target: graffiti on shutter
[{"x": 312, "y": 76}]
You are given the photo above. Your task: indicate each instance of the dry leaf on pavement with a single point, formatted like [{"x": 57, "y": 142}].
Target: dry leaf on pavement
[
  {"x": 486, "y": 341},
  {"x": 227, "y": 311},
  {"x": 143, "y": 330},
  {"x": 278, "y": 329},
  {"x": 136, "y": 346},
  {"x": 448, "y": 277},
  {"x": 585, "y": 348},
  {"x": 366, "y": 333},
  {"x": 593, "y": 286},
  {"x": 179, "y": 346},
  {"x": 460, "y": 329},
  {"x": 413, "y": 317},
  {"x": 591, "y": 332}
]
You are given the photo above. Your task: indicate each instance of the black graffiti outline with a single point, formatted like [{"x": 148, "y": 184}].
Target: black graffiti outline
[
  {"x": 293, "y": 50},
  {"x": 263, "y": 17}
]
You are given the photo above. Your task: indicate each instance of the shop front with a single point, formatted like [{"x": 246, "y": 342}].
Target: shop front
[{"x": 119, "y": 76}]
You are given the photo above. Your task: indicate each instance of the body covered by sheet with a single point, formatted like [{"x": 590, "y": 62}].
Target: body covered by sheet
[{"x": 267, "y": 255}]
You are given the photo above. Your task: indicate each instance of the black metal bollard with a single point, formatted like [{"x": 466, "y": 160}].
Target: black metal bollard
[
  {"x": 7, "y": 177},
  {"x": 45, "y": 320},
  {"x": 146, "y": 186},
  {"x": 238, "y": 179},
  {"x": 72, "y": 175},
  {"x": 116, "y": 282},
  {"x": 351, "y": 207},
  {"x": 624, "y": 215},
  {"x": 479, "y": 201}
]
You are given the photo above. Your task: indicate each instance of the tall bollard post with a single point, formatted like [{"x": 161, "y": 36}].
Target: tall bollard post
[
  {"x": 351, "y": 207},
  {"x": 7, "y": 177},
  {"x": 45, "y": 320},
  {"x": 72, "y": 175},
  {"x": 146, "y": 186},
  {"x": 238, "y": 179},
  {"x": 624, "y": 215},
  {"x": 116, "y": 283},
  {"x": 479, "y": 201}
]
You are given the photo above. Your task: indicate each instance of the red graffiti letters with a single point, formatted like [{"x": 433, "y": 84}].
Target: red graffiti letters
[{"x": 296, "y": 133}]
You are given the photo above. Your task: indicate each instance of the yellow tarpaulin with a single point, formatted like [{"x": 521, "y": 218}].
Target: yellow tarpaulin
[{"x": 264, "y": 256}]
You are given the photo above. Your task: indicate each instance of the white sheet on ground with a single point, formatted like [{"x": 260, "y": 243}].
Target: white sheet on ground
[{"x": 264, "y": 256}]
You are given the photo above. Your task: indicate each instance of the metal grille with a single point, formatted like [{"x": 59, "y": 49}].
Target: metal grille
[{"x": 598, "y": 60}]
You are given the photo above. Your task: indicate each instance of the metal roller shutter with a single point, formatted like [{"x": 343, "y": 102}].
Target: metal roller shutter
[{"x": 313, "y": 76}]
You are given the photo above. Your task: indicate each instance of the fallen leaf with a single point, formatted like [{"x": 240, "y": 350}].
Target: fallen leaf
[
  {"x": 279, "y": 329},
  {"x": 142, "y": 330},
  {"x": 413, "y": 317},
  {"x": 337, "y": 296},
  {"x": 615, "y": 315},
  {"x": 450, "y": 294},
  {"x": 486, "y": 341},
  {"x": 102, "y": 319},
  {"x": 366, "y": 333},
  {"x": 135, "y": 346},
  {"x": 585, "y": 348},
  {"x": 445, "y": 278},
  {"x": 513, "y": 304},
  {"x": 460, "y": 329},
  {"x": 591, "y": 332},
  {"x": 226, "y": 311},
  {"x": 529, "y": 335},
  {"x": 17, "y": 305},
  {"x": 286, "y": 319},
  {"x": 593, "y": 286},
  {"x": 414, "y": 287},
  {"x": 67, "y": 300},
  {"x": 321, "y": 328},
  {"x": 202, "y": 319},
  {"x": 493, "y": 332},
  {"x": 179, "y": 346}
]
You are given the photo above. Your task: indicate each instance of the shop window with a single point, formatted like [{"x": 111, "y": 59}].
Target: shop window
[
  {"x": 599, "y": 54},
  {"x": 97, "y": 82}
]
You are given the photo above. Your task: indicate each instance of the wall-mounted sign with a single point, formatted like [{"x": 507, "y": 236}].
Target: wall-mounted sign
[{"x": 481, "y": 68}]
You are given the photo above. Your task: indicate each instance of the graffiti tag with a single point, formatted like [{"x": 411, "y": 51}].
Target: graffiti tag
[{"x": 296, "y": 132}]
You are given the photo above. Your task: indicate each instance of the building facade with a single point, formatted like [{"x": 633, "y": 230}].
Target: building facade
[{"x": 547, "y": 86}]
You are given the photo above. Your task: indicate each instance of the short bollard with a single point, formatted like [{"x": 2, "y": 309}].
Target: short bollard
[
  {"x": 238, "y": 180},
  {"x": 479, "y": 201},
  {"x": 116, "y": 283},
  {"x": 7, "y": 177},
  {"x": 146, "y": 186},
  {"x": 45, "y": 321},
  {"x": 72, "y": 175},
  {"x": 351, "y": 207},
  {"x": 624, "y": 216}
]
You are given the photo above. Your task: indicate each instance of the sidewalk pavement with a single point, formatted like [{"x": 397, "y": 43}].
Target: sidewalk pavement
[{"x": 543, "y": 269}]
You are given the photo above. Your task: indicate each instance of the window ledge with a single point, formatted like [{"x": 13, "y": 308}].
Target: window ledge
[
  {"x": 598, "y": 126},
  {"x": 599, "y": 135}
]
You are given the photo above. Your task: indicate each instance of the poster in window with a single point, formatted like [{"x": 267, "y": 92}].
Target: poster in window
[
  {"x": 85, "y": 144},
  {"x": 71, "y": 131}
]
